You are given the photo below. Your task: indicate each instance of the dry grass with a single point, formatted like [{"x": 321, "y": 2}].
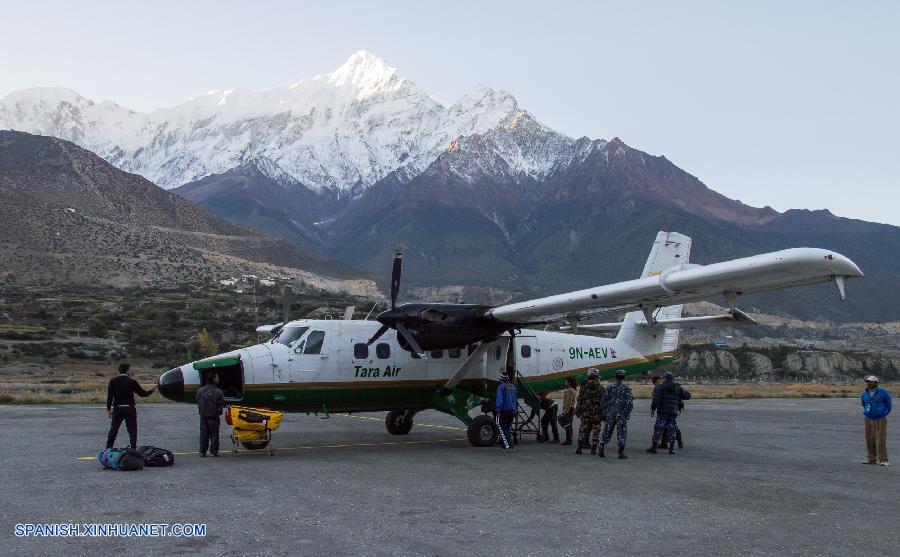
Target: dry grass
[
  {"x": 763, "y": 390},
  {"x": 49, "y": 392}
]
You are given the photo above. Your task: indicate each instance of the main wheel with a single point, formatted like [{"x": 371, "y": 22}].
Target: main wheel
[
  {"x": 482, "y": 431},
  {"x": 255, "y": 445},
  {"x": 396, "y": 424}
]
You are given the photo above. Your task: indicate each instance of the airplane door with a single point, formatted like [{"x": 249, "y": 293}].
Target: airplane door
[
  {"x": 527, "y": 356},
  {"x": 308, "y": 356}
]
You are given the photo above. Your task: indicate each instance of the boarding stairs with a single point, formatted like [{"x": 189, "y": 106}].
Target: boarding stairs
[{"x": 527, "y": 401}]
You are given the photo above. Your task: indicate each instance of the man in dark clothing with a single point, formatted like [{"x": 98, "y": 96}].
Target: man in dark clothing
[
  {"x": 210, "y": 401},
  {"x": 549, "y": 418},
  {"x": 120, "y": 405},
  {"x": 590, "y": 398},
  {"x": 657, "y": 382},
  {"x": 618, "y": 402},
  {"x": 668, "y": 400}
]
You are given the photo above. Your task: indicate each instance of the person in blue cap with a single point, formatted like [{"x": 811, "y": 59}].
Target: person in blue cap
[{"x": 618, "y": 402}]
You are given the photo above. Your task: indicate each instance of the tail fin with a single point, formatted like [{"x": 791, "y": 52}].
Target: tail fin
[{"x": 669, "y": 249}]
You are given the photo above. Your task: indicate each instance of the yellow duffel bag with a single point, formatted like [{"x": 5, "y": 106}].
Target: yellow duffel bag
[{"x": 253, "y": 419}]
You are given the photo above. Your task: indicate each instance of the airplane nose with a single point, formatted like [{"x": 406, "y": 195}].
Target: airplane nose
[{"x": 171, "y": 384}]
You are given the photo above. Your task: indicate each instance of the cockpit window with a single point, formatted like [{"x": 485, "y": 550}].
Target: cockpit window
[
  {"x": 314, "y": 342},
  {"x": 288, "y": 335}
]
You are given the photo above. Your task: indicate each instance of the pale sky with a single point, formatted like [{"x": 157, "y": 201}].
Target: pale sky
[{"x": 788, "y": 104}]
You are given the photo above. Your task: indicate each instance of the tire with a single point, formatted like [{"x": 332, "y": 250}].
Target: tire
[
  {"x": 395, "y": 423},
  {"x": 255, "y": 445},
  {"x": 482, "y": 431}
]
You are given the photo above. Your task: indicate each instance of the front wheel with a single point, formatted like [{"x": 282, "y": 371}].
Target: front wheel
[
  {"x": 397, "y": 424},
  {"x": 255, "y": 445},
  {"x": 482, "y": 431}
]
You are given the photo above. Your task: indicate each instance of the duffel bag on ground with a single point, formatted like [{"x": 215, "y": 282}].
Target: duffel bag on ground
[
  {"x": 155, "y": 456},
  {"x": 121, "y": 459}
]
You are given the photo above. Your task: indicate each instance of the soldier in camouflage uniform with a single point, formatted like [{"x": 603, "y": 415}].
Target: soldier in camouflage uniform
[
  {"x": 618, "y": 403},
  {"x": 590, "y": 397}
]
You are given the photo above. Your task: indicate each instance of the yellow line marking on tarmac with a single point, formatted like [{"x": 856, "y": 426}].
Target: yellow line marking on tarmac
[
  {"x": 417, "y": 424},
  {"x": 308, "y": 447}
]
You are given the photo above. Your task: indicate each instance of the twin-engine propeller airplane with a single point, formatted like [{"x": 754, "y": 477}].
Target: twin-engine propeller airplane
[{"x": 447, "y": 357}]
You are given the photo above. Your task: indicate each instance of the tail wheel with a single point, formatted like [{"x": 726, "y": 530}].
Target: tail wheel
[
  {"x": 397, "y": 423},
  {"x": 482, "y": 431}
]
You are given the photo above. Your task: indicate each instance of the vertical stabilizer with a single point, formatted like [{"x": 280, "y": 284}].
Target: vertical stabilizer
[{"x": 669, "y": 249}]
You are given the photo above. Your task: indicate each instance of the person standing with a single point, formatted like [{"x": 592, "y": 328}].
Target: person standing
[
  {"x": 120, "y": 405},
  {"x": 618, "y": 402},
  {"x": 588, "y": 407},
  {"x": 569, "y": 397},
  {"x": 505, "y": 404},
  {"x": 876, "y": 403},
  {"x": 210, "y": 402},
  {"x": 667, "y": 403},
  {"x": 550, "y": 410}
]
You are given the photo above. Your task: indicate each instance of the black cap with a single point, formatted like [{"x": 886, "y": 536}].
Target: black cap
[
  {"x": 620, "y": 373},
  {"x": 123, "y": 368},
  {"x": 668, "y": 375}
]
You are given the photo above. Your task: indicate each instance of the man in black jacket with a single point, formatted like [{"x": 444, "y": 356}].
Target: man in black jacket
[
  {"x": 548, "y": 419},
  {"x": 120, "y": 405},
  {"x": 210, "y": 401},
  {"x": 667, "y": 403}
]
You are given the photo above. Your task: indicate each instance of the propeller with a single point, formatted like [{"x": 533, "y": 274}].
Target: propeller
[
  {"x": 395, "y": 277},
  {"x": 395, "y": 290}
]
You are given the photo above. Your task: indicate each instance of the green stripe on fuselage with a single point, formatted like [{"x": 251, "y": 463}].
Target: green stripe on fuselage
[{"x": 370, "y": 396}]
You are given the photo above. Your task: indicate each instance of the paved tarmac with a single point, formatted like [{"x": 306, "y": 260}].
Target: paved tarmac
[{"x": 755, "y": 478}]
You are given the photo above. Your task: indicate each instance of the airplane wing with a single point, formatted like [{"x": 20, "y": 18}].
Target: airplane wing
[{"x": 684, "y": 283}]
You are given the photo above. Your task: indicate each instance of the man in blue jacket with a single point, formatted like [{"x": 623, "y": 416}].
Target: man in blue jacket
[
  {"x": 876, "y": 405},
  {"x": 506, "y": 409}
]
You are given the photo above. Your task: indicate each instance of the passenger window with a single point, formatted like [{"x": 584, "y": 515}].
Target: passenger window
[
  {"x": 497, "y": 352},
  {"x": 454, "y": 353},
  {"x": 526, "y": 351},
  {"x": 314, "y": 342},
  {"x": 383, "y": 350},
  {"x": 437, "y": 354},
  {"x": 361, "y": 351}
]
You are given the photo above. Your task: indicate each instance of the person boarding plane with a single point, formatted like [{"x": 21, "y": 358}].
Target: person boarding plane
[{"x": 448, "y": 357}]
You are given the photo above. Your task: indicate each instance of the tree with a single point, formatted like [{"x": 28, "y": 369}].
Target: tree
[
  {"x": 97, "y": 328},
  {"x": 208, "y": 346}
]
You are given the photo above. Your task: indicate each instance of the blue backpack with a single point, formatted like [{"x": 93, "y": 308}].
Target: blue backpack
[{"x": 110, "y": 458}]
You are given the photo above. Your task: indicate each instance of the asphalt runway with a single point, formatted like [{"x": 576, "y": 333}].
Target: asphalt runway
[{"x": 755, "y": 478}]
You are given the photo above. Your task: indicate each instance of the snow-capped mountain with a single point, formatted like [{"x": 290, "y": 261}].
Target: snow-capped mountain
[{"x": 342, "y": 131}]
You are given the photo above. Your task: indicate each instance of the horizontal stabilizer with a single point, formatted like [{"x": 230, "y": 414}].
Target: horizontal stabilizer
[{"x": 730, "y": 319}]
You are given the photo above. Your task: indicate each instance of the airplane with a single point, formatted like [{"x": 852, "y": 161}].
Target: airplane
[{"x": 448, "y": 357}]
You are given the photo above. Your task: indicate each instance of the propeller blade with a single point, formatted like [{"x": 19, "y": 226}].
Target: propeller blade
[
  {"x": 401, "y": 328},
  {"x": 395, "y": 277},
  {"x": 378, "y": 333}
]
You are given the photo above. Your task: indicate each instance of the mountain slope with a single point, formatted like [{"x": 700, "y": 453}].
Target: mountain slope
[
  {"x": 340, "y": 132},
  {"x": 68, "y": 216}
]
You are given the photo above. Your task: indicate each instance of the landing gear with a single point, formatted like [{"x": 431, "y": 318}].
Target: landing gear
[
  {"x": 398, "y": 422},
  {"x": 482, "y": 431}
]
